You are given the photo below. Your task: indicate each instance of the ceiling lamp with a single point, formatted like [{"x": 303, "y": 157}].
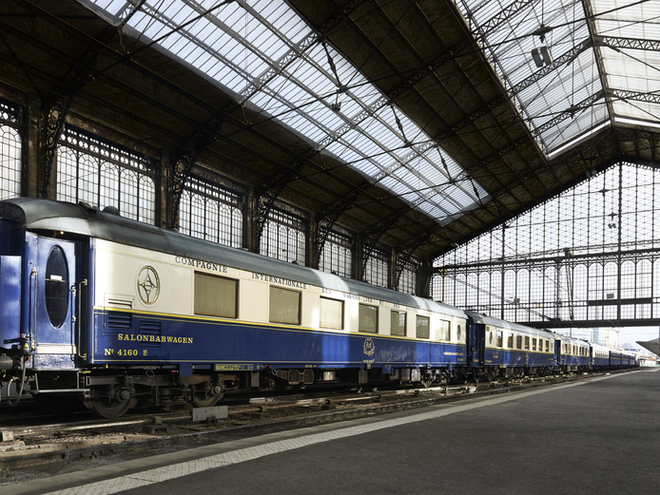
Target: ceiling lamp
[{"x": 541, "y": 56}]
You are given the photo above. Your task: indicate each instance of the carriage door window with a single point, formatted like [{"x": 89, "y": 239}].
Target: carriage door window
[{"x": 57, "y": 287}]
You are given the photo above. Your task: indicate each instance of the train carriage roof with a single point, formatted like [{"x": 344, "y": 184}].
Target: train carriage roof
[
  {"x": 46, "y": 215},
  {"x": 496, "y": 322},
  {"x": 572, "y": 340}
]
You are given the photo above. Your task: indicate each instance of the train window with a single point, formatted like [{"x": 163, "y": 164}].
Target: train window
[
  {"x": 527, "y": 343},
  {"x": 368, "y": 318},
  {"x": 284, "y": 306},
  {"x": 510, "y": 342},
  {"x": 498, "y": 339},
  {"x": 57, "y": 287},
  {"x": 215, "y": 296},
  {"x": 533, "y": 344},
  {"x": 547, "y": 346},
  {"x": 332, "y": 313},
  {"x": 398, "y": 323},
  {"x": 458, "y": 333},
  {"x": 422, "y": 326},
  {"x": 518, "y": 341},
  {"x": 490, "y": 337},
  {"x": 444, "y": 330}
]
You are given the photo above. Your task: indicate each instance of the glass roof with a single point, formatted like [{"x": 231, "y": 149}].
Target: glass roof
[
  {"x": 603, "y": 63},
  {"x": 572, "y": 66},
  {"x": 266, "y": 54}
]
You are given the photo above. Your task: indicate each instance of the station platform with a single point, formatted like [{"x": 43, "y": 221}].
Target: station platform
[{"x": 595, "y": 436}]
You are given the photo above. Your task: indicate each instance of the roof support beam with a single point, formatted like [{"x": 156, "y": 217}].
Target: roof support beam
[{"x": 58, "y": 102}]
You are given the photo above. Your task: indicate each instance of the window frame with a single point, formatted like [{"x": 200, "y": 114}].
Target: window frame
[
  {"x": 444, "y": 330},
  {"x": 377, "y": 311},
  {"x": 398, "y": 313},
  {"x": 343, "y": 312},
  {"x": 213, "y": 276},
  {"x": 428, "y": 326},
  {"x": 270, "y": 305}
]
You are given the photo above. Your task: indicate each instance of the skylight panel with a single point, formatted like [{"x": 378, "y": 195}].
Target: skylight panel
[
  {"x": 150, "y": 28},
  {"x": 432, "y": 210},
  {"x": 283, "y": 20},
  {"x": 640, "y": 110},
  {"x": 343, "y": 151},
  {"x": 112, "y": 6},
  {"x": 266, "y": 45},
  {"x": 361, "y": 142},
  {"x": 425, "y": 169},
  {"x": 368, "y": 168},
  {"x": 233, "y": 14},
  {"x": 177, "y": 13},
  {"x": 395, "y": 185}
]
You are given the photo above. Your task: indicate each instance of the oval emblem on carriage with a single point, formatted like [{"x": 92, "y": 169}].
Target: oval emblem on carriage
[
  {"x": 369, "y": 347},
  {"x": 148, "y": 285}
]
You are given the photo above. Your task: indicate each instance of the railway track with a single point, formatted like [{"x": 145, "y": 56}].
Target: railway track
[{"x": 30, "y": 442}]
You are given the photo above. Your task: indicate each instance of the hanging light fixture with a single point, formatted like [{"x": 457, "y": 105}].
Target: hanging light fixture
[{"x": 541, "y": 55}]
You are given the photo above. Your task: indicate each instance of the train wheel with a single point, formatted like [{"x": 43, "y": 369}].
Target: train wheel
[
  {"x": 106, "y": 405},
  {"x": 204, "y": 395},
  {"x": 427, "y": 382}
]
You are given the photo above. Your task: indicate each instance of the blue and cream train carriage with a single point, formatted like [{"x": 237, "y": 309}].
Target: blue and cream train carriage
[
  {"x": 111, "y": 311},
  {"x": 101, "y": 309},
  {"x": 572, "y": 354},
  {"x": 498, "y": 348}
]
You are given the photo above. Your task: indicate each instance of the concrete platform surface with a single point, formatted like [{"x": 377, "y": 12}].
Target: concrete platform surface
[{"x": 597, "y": 436}]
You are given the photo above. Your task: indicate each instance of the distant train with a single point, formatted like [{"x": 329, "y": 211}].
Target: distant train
[{"x": 105, "y": 310}]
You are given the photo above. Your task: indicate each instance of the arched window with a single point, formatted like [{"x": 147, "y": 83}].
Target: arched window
[
  {"x": 10, "y": 151},
  {"x": 283, "y": 237},
  {"x": 101, "y": 174},
  {"x": 211, "y": 212}
]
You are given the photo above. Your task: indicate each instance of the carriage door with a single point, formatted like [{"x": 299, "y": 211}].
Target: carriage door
[
  {"x": 51, "y": 265},
  {"x": 475, "y": 344}
]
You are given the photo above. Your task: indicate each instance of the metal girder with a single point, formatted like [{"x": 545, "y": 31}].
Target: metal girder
[
  {"x": 627, "y": 43},
  {"x": 268, "y": 192},
  {"x": 502, "y": 16},
  {"x": 624, "y": 94},
  {"x": 374, "y": 233},
  {"x": 59, "y": 100},
  {"x": 405, "y": 252},
  {"x": 569, "y": 113},
  {"x": 327, "y": 217}
]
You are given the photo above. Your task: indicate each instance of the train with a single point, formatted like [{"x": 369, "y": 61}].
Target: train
[{"x": 101, "y": 311}]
